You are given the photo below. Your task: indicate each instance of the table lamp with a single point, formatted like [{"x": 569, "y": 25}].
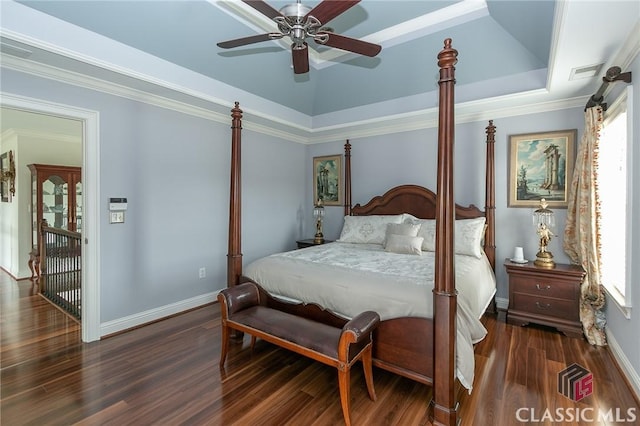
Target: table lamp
[
  {"x": 318, "y": 214},
  {"x": 544, "y": 221}
]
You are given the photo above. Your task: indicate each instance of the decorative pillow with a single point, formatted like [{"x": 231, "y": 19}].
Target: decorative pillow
[
  {"x": 367, "y": 229},
  {"x": 427, "y": 231},
  {"x": 469, "y": 234},
  {"x": 404, "y": 244},
  {"x": 408, "y": 229}
]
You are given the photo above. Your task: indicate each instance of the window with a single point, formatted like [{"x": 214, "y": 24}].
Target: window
[{"x": 612, "y": 190}]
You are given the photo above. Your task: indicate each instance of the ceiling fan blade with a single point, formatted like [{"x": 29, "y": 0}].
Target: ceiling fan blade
[
  {"x": 349, "y": 44},
  {"x": 300, "y": 58},
  {"x": 248, "y": 40},
  {"x": 263, "y": 8},
  {"x": 329, "y": 9}
]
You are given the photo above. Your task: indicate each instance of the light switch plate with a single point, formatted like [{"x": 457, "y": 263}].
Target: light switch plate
[{"x": 116, "y": 217}]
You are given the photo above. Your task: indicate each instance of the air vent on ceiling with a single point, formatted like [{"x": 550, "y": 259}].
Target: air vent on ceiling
[{"x": 587, "y": 71}]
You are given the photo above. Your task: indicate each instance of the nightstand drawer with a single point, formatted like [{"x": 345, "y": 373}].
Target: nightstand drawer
[
  {"x": 557, "y": 308},
  {"x": 545, "y": 287},
  {"x": 548, "y": 296}
]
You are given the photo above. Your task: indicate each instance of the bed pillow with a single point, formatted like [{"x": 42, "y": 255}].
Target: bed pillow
[
  {"x": 408, "y": 229},
  {"x": 469, "y": 234},
  {"x": 367, "y": 229},
  {"x": 404, "y": 244}
]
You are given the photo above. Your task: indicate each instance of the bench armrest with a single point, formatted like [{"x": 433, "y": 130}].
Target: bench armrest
[
  {"x": 239, "y": 297},
  {"x": 361, "y": 325}
]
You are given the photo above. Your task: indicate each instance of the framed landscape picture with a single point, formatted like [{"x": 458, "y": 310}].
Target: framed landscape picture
[
  {"x": 540, "y": 166},
  {"x": 327, "y": 180}
]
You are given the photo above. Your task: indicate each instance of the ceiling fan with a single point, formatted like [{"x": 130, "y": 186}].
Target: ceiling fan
[{"x": 300, "y": 22}]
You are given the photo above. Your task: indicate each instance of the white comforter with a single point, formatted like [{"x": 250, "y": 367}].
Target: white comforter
[{"x": 351, "y": 278}]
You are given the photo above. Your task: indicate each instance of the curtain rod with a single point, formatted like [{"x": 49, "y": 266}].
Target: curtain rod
[{"x": 613, "y": 74}]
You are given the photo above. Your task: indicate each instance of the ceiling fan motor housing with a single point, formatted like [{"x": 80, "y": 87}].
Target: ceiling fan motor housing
[
  {"x": 300, "y": 22},
  {"x": 293, "y": 23},
  {"x": 297, "y": 10}
]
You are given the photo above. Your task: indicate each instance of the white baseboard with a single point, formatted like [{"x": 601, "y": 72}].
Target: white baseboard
[
  {"x": 502, "y": 303},
  {"x": 623, "y": 362},
  {"x": 155, "y": 314}
]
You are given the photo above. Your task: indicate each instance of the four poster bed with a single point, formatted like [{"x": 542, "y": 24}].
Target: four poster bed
[{"x": 415, "y": 342}]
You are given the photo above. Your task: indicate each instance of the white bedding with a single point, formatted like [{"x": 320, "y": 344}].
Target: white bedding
[{"x": 351, "y": 278}]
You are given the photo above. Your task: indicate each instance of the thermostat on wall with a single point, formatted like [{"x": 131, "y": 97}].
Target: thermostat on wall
[{"x": 117, "y": 204}]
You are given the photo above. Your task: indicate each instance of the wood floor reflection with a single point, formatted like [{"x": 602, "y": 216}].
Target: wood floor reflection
[{"x": 167, "y": 373}]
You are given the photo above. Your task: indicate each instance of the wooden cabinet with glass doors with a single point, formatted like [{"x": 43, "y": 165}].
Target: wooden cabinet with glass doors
[{"x": 56, "y": 196}]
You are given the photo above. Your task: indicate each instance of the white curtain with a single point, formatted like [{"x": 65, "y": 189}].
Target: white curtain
[{"x": 581, "y": 234}]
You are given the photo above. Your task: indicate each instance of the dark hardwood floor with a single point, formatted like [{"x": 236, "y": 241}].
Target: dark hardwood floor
[{"x": 167, "y": 373}]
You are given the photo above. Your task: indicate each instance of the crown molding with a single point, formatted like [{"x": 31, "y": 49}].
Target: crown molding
[
  {"x": 8, "y": 134},
  {"x": 630, "y": 50},
  {"x": 111, "y": 88},
  {"x": 37, "y": 134},
  {"x": 490, "y": 108}
]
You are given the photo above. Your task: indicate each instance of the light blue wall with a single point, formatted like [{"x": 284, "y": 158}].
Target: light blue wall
[
  {"x": 379, "y": 163},
  {"x": 273, "y": 195},
  {"x": 174, "y": 170},
  {"x": 382, "y": 162}
]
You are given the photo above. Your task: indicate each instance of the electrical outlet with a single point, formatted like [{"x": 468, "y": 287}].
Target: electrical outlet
[{"x": 202, "y": 272}]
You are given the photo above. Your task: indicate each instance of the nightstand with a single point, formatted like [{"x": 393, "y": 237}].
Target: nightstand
[
  {"x": 309, "y": 242},
  {"x": 548, "y": 296}
]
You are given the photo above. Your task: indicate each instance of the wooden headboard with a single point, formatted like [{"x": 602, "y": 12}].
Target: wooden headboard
[
  {"x": 421, "y": 202},
  {"x": 413, "y": 199}
]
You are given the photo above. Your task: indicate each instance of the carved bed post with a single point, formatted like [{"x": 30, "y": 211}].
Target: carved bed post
[
  {"x": 445, "y": 298},
  {"x": 234, "y": 256},
  {"x": 347, "y": 178},
  {"x": 490, "y": 194}
]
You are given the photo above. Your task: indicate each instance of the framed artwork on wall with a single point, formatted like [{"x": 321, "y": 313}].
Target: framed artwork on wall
[
  {"x": 7, "y": 176},
  {"x": 327, "y": 180},
  {"x": 541, "y": 166}
]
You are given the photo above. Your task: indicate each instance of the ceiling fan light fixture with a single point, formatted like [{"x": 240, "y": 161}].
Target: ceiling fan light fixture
[{"x": 300, "y": 22}]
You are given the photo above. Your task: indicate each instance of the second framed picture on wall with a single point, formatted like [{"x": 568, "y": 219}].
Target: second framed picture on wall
[
  {"x": 541, "y": 166},
  {"x": 327, "y": 180}
]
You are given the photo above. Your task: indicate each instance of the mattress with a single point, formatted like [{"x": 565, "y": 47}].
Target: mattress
[{"x": 351, "y": 278}]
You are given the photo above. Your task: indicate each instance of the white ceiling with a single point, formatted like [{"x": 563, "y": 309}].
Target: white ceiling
[{"x": 512, "y": 54}]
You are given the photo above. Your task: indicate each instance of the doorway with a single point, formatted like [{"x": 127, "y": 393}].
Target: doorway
[{"x": 88, "y": 121}]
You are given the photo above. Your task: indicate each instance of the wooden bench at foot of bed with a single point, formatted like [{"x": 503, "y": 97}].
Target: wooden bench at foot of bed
[{"x": 336, "y": 342}]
